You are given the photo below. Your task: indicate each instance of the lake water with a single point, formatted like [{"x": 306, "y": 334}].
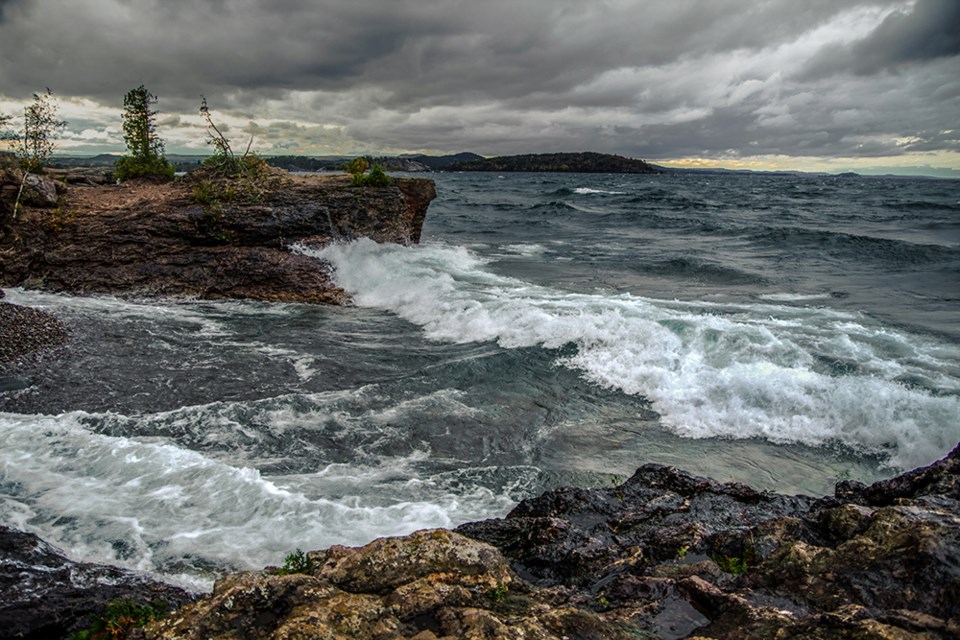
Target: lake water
[{"x": 551, "y": 329}]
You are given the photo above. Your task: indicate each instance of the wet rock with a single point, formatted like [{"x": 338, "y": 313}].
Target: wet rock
[
  {"x": 937, "y": 483},
  {"x": 665, "y": 555},
  {"x": 44, "y": 595},
  {"x": 589, "y": 537},
  {"x": 875, "y": 562}
]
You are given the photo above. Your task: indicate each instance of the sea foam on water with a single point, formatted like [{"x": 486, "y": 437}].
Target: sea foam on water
[{"x": 786, "y": 374}]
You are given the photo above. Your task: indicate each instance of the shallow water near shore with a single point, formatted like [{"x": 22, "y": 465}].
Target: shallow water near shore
[{"x": 551, "y": 329}]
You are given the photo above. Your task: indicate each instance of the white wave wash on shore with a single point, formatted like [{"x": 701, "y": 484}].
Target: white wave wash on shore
[{"x": 786, "y": 374}]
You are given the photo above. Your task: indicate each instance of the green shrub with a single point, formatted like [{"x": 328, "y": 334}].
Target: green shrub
[
  {"x": 357, "y": 167},
  {"x": 296, "y": 562},
  {"x": 128, "y": 167},
  {"x": 375, "y": 178},
  {"x": 121, "y": 617}
]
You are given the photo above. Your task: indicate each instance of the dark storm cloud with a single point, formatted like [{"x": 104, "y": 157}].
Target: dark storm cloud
[
  {"x": 657, "y": 79},
  {"x": 420, "y": 48},
  {"x": 930, "y": 30}
]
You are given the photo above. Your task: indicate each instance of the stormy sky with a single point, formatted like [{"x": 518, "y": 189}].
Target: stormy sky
[{"x": 817, "y": 84}]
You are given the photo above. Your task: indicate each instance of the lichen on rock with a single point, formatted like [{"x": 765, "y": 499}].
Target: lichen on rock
[{"x": 430, "y": 584}]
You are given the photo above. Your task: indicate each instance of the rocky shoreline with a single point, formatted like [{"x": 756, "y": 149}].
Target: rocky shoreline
[
  {"x": 664, "y": 555},
  {"x": 26, "y": 332},
  {"x": 201, "y": 236}
]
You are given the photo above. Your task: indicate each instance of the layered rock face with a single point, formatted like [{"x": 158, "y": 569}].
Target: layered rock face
[{"x": 172, "y": 239}]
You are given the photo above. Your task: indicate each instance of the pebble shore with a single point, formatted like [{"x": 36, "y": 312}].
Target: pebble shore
[{"x": 24, "y": 331}]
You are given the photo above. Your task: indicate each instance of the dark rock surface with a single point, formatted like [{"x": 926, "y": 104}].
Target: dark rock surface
[
  {"x": 43, "y": 595},
  {"x": 157, "y": 239},
  {"x": 875, "y": 562}
]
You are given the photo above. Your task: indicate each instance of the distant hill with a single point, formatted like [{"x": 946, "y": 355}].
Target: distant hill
[
  {"x": 440, "y": 163},
  {"x": 308, "y": 163},
  {"x": 586, "y": 162}
]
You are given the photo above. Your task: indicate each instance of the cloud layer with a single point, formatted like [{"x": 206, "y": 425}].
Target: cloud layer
[{"x": 723, "y": 79}]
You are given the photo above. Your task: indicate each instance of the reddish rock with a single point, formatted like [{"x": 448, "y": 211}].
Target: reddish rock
[{"x": 158, "y": 239}]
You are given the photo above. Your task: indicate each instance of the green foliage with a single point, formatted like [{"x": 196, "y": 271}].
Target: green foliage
[
  {"x": 121, "y": 617},
  {"x": 205, "y": 192},
  {"x": 144, "y": 144},
  {"x": 35, "y": 142},
  {"x": 357, "y": 167},
  {"x": 375, "y": 178},
  {"x": 129, "y": 167},
  {"x": 736, "y": 565},
  {"x": 246, "y": 177},
  {"x": 296, "y": 562},
  {"x": 225, "y": 177},
  {"x": 498, "y": 593}
]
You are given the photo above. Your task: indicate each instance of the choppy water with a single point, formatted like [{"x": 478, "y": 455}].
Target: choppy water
[{"x": 551, "y": 329}]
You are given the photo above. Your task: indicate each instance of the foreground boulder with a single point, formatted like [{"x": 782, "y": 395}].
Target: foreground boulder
[
  {"x": 427, "y": 585},
  {"x": 44, "y": 595},
  {"x": 200, "y": 237},
  {"x": 873, "y": 562}
]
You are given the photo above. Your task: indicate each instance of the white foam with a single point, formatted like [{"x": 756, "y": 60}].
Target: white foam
[
  {"x": 793, "y": 297},
  {"x": 588, "y": 190},
  {"x": 525, "y": 249},
  {"x": 118, "y": 307},
  {"x": 148, "y": 505},
  {"x": 711, "y": 370}
]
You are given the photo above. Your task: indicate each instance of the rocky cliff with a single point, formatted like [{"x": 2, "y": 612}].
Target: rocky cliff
[{"x": 197, "y": 238}]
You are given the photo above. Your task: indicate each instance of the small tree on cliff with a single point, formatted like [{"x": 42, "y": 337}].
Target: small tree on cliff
[
  {"x": 36, "y": 141},
  {"x": 140, "y": 133},
  {"x": 249, "y": 172}
]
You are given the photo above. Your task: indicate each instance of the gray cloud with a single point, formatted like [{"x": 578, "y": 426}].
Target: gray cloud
[
  {"x": 930, "y": 30},
  {"x": 703, "y": 78}
]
